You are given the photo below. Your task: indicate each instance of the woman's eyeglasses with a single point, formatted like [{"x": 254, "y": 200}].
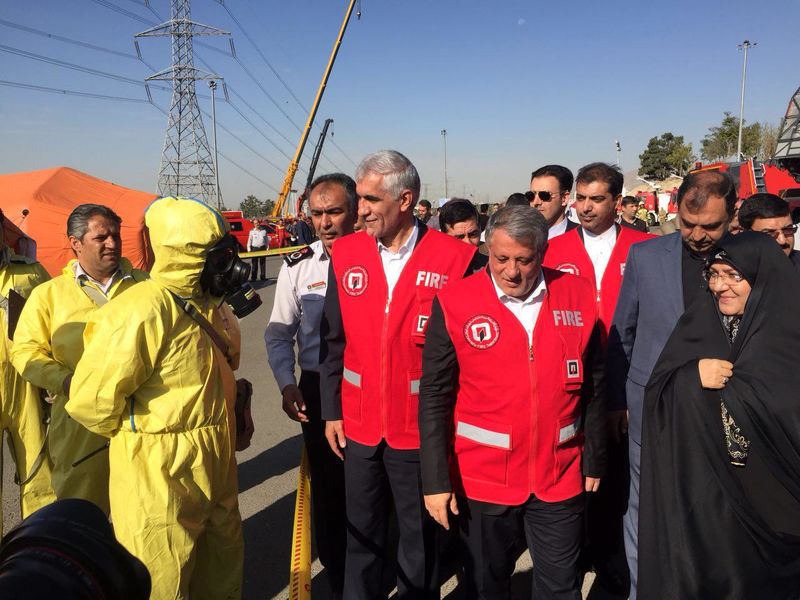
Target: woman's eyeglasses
[{"x": 729, "y": 278}]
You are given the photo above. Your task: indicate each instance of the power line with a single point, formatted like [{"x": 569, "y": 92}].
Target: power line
[
  {"x": 208, "y": 46},
  {"x": 261, "y": 54},
  {"x": 122, "y": 11},
  {"x": 230, "y": 160},
  {"x": 68, "y": 65},
  {"x": 277, "y": 75},
  {"x": 98, "y": 73},
  {"x": 67, "y": 40},
  {"x": 129, "y": 14},
  {"x": 41, "y": 88}
]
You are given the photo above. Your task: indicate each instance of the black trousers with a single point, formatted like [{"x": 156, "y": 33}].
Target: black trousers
[
  {"x": 327, "y": 486},
  {"x": 377, "y": 477},
  {"x": 255, "y": 263},
  {"x": 553, "y": 530},
  {"x": 604, "y": 548}
]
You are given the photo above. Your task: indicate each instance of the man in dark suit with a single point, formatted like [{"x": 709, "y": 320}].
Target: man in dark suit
[
  {"x": 662, "y": 277},
  {"x": 550, "y": 188}
]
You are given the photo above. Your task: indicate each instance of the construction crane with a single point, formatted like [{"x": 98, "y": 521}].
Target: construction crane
[
  {"x": 290, "y": 172},
  {"x": 313, "y": 166}
]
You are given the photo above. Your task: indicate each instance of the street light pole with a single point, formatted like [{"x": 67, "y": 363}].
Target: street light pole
[
  {"x": 743, "y": 46},
  {"x": 444, "y": 137},
  {"x": 213, "y": 85},
  {"x": 619, "y": 149}
]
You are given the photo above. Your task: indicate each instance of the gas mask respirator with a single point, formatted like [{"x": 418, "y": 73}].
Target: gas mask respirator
[{"x": 225, "y": 275}]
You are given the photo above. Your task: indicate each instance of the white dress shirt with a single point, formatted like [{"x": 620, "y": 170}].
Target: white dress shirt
[
  {"x": 557, "y": 229},
  {"x": 526, "y": 311},
  {"x": 297, "y": 312},
  {"x": 257, "y": 238},
  {"x": 103, "y": 287},
  {"x": 393, "y": 262},
  {"x": 599, "y": 248}
]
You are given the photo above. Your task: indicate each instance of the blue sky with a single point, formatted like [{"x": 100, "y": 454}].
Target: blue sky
[{"x": 515, "y": 84}]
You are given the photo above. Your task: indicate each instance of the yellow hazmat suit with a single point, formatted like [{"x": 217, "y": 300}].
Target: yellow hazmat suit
[
  {"x": 47, "y": 346},
  {"x": 21, "y": 411},
  {"x": 152, "y": 380}
]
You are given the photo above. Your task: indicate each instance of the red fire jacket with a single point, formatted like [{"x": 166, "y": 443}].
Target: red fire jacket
[
  {"x": 518, "y": 412},
  {"x": 567, "y": 253},
  {"x": 383, "y": 351}
]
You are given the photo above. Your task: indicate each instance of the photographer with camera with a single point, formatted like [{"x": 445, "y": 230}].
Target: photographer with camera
[{"x": 157, "y": 378}]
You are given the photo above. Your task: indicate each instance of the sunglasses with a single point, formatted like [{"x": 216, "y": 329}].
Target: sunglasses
[
  {"x": 543, "y": 196},
  {"x": 788, "y": 231}
]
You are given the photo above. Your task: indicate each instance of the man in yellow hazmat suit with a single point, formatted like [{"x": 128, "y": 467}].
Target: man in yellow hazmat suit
[
  {"x": 21, "y": 413},
  {"x": 48, "y": 343},
  {"x": 155, "y": 381}
]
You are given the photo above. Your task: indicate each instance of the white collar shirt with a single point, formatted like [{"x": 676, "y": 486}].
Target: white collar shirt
[
  {"x": 557, "y": 229},
  {"x": 103, "y": 287},
  {"x": 257, "y": 238},
  {"x": 297, "y": 315},
  {"x": 526, "y": 311},
  {"x": 393, "y": 262},
  {"x": 599, "y": 248}
]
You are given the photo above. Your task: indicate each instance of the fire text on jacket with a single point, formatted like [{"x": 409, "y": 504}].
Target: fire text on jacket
[
  {"x": 568, "y": 317},
  {"x": 429, "y": 279}
]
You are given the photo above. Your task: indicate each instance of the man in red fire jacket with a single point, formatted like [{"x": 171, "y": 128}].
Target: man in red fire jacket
[
  {"x": 381, "y": 285},
  {"x": 507, "y": 391},
  {"x": 597, "y": 251}
]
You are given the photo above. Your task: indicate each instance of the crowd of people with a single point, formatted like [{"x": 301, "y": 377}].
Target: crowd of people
[
  {"x": 526, "y": 387},
  {"x": 471, "y": 384}
]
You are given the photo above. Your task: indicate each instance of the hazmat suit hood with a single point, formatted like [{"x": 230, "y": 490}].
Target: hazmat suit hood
[{"x": 182, "y": 231}]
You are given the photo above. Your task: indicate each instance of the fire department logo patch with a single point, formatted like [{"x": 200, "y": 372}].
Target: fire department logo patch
[
  {"x": 355, "y": 281},
  {"x": 482, "y": 332},
  {"x": 569, "y": 268},
  {"x": 573, "y": 369}
]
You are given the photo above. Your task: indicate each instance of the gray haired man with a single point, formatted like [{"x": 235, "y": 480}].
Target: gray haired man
[
  {"x": 513, "y": 449},
  {"x": 381, "y": 286}
]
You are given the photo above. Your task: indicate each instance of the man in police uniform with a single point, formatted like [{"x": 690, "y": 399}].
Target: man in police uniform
[
  {"x": 296, "y": 315},
  {"x": 527, "y": 439},
  {"x": 21, "y": 411},
  {"x": 49, "y": 344},
  {"x": 382, "y": 282}
]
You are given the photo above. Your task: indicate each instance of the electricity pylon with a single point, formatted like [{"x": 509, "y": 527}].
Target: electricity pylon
[{"x": 187, "y": 166}]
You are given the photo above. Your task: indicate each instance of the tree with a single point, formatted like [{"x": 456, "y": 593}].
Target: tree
[
  {"x": 721, "y": 141},
  {"x": 664, "y": 156},
  {"x": 769, "y": 141},
  {"x": 252, "y": 207}
]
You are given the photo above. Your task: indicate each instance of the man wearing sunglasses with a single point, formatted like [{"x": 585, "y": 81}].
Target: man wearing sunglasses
[
  {"x": 768, "y": 213},
  {"x": 550, "y": 188}
]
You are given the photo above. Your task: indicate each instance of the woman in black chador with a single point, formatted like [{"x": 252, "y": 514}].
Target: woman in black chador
[{"x": 720, "y": 495}]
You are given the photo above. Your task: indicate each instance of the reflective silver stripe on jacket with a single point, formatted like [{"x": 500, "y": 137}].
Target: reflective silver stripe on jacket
[
  {"x": 352, "y": 377},
  {"x": 569, "y": 431},
  {"x": 483, "y": 436},
  {"x": 415, "y": 386}
]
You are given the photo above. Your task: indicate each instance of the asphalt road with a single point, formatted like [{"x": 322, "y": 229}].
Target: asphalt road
[{"x": 268, "y": 478}]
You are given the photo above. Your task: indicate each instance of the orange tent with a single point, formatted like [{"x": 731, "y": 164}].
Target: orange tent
[{"x": 39, "y": 202}]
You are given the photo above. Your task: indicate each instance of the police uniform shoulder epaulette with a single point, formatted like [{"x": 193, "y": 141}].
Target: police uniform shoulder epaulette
[
  {"x": 16, "y": 259},
  {"x": 298, "y": 255}
]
